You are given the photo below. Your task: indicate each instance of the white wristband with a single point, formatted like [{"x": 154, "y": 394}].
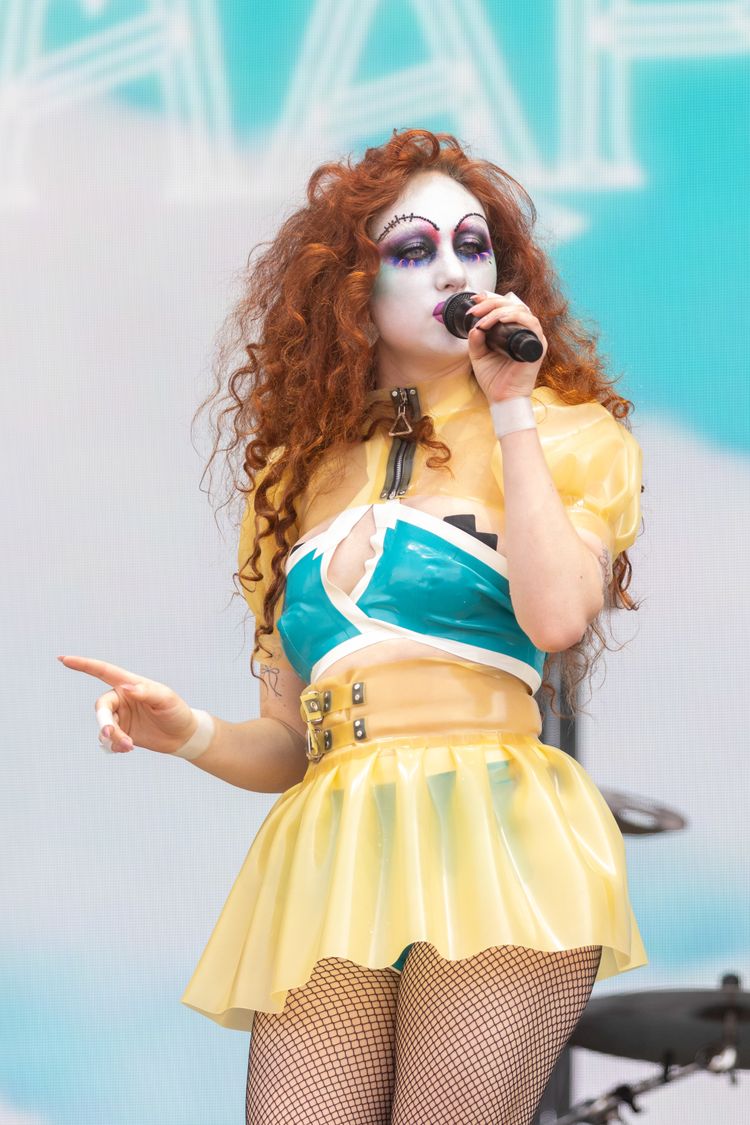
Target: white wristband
[
  {"x": 512, "y": 414},
  {"x": 200, "y": 739}
]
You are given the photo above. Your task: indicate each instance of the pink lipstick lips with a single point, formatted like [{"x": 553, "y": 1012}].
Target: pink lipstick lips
[{"x": 437, "y": 312}]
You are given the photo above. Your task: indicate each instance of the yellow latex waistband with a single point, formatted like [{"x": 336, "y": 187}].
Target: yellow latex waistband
[{"x": 423, "y": 697}]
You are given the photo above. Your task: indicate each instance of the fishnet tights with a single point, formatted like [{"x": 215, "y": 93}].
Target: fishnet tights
[
  {"x": 477, "y": 1040},
  {"x": 328, "y": 1057},
  {"x": 469, "y": 1042}
]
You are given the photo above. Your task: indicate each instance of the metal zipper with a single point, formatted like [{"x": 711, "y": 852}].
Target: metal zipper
[
  {"x": 401, "y": 457},
  {"x": 400, "y": 396}
]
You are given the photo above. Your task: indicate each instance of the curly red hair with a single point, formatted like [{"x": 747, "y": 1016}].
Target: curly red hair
[{"x": 304, "y": 324}]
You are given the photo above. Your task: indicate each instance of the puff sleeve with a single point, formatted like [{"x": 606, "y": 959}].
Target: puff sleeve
[
  {"x": 596, "y": 465},
  {"x": 254, "y": 592}
]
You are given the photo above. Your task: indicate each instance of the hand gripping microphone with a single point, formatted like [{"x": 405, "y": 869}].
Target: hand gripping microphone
[{"x": 511, "y": 339}]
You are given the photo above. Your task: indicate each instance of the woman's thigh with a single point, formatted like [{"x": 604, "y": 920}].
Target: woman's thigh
[
  {"x": 328, "y": 1056},
  {"x": 476, "y": 1040}
]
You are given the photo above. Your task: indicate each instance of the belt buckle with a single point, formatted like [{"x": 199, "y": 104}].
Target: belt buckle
[{"x": 311, "y": 710}]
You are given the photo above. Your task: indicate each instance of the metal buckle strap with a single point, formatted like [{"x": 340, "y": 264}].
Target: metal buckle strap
[
  {"x": 315, "y": 705},
  {"x": 311, "y": 710}
]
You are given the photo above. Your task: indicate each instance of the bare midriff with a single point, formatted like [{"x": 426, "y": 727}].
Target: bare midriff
[{"x": 389, "y": 652}]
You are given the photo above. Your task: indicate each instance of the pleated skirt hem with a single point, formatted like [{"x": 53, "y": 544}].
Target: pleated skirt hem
[{"x": 466, "y": 840}]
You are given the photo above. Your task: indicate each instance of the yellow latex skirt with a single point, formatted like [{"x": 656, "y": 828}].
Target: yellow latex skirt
[{"x": 451, "y": 823}]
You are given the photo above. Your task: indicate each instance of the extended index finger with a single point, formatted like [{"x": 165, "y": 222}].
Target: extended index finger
[{"x": 110, "y": 674}]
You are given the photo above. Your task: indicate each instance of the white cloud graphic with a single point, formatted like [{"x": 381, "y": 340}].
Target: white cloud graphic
[{"x": 11, "y": 1116}]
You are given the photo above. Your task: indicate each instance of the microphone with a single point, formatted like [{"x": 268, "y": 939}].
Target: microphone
[{"x": 513, "y": 340}]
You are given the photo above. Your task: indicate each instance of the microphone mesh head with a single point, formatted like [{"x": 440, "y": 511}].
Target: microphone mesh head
[{"x": 454, "y": 313}]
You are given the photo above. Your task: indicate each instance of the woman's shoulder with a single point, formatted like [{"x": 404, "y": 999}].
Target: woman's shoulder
[
  {"x": 550, "y": 404},
  {"x": 596, "y": 464},
  {"x": 564, "y": 425}
]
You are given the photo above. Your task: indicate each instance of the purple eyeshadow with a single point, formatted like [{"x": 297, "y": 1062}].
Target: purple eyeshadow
[
  {"x": 401, "y": 243},
  {"x": 422, "y": 238}
]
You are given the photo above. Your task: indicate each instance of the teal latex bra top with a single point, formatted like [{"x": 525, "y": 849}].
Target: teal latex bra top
[{"x": 427, "y": 580}]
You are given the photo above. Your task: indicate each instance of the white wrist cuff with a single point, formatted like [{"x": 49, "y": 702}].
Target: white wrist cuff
[
  {"x": 200, "y": 739},
  {"x": 512, "y": 414}
]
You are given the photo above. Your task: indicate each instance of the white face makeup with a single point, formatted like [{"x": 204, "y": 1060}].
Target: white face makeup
[{"x": 434, "y": 242}]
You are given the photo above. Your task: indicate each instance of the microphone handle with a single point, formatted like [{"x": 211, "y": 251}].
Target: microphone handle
[{"x": 513, "y": 340}]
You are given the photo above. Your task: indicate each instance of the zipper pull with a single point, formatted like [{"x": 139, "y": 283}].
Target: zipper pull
[{"x": 401, "y": 424}]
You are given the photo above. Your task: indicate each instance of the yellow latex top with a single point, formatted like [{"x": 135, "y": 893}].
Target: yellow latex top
[{"x": 594, "y": 461}]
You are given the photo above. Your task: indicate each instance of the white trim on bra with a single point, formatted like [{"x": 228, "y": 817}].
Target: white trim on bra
[
  {"x": 378, "y": 632},
  {"x": 387, "y": 514}
]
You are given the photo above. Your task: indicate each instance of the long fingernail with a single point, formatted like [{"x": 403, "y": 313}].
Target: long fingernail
[{"x": 107, "y": 732}]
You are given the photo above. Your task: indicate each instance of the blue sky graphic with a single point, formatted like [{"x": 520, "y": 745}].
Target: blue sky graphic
[{"x": 661, "y": 268}]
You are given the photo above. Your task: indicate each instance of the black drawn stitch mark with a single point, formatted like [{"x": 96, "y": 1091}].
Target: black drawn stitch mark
[{"x": 405, "y": 219}]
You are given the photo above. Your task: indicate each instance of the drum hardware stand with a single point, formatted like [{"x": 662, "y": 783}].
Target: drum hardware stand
[
  {"x": 728, "y": 1006},
  {"x": 558, "y": 732},
  {"x": 606, "y": 1108}
]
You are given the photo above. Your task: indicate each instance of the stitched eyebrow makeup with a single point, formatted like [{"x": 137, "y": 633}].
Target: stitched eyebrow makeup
[
  {"x": 394, "y": 222},
  {"x": 470, "y": 215},
  {"x": 405, "y": 219},
  {"x": 419, "y": 243}
]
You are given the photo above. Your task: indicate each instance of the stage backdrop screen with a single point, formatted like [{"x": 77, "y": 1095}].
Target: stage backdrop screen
[{"x": 145, "y": 148}]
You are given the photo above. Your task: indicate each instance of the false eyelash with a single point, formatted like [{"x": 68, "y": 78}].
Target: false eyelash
[{"x": 406, "y": 263}]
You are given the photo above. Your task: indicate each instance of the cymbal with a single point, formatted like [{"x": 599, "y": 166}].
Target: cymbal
[
  {"x": 636, "y": 816},
  {"x": 668, "y": 1027}
]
